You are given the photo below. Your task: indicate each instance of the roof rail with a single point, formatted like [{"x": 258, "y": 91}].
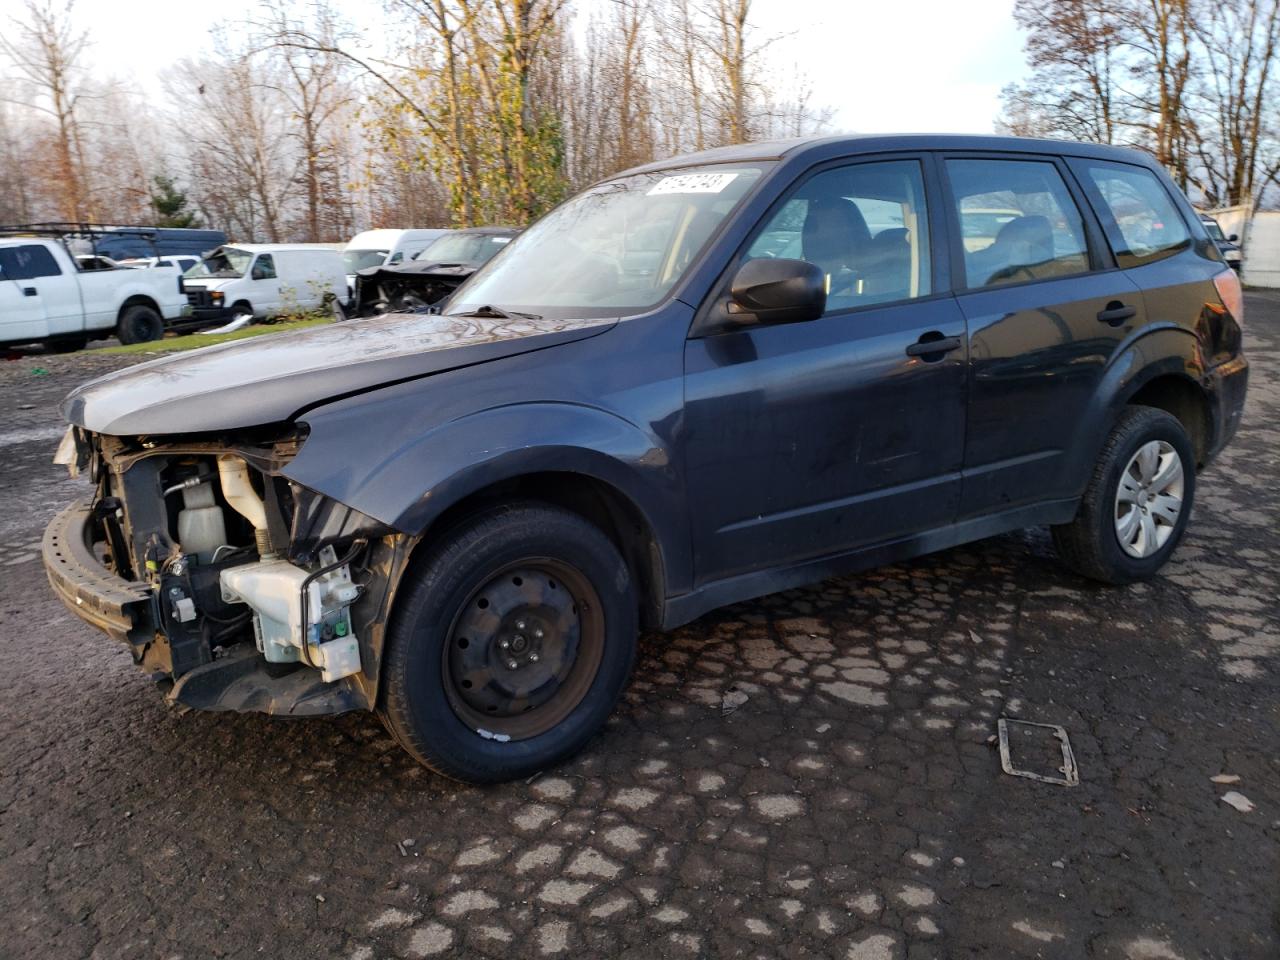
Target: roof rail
[{"x": 58, "y": 228}]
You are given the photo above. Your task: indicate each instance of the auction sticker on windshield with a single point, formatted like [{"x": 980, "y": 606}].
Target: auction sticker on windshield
[{"x": 692, "y": 183}]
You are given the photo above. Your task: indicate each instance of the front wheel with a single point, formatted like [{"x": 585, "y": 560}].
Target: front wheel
[
  {"x": 1136, "y": 506},
  {"x": 510, "y": 645}
]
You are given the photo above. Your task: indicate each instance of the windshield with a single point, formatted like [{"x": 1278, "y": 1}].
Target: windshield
[
  {"x": 474, "y": 248},
  {"x": 223, "y": 262},
  {"x": 1215, "y": 231},
  {"x": 360, "y": 259},
  {"x": 614, "y": 249}
]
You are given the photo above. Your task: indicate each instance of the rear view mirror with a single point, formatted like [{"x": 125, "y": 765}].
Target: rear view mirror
[{"x": 776, "y": 291}]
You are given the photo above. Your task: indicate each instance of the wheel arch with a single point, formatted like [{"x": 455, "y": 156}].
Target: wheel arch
[
  {"x": 139, "y": 300},
  {"x": 1183, "y": 398},
  {"x": 597, "y": 501},
  {"x": 1159, "y": 366}
]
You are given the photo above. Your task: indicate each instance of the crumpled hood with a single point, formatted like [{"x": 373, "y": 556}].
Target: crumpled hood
[{"x": 268, "y": 379}]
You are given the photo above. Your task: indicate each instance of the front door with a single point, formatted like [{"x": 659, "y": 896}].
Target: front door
[
  {"x": 1044, "y": 315},
  {"x": 811, "y": 439},
  {"x": 22, "y": 314}
]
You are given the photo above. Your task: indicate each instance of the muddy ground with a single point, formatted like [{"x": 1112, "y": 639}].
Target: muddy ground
[{"x": 807, "y": 775}]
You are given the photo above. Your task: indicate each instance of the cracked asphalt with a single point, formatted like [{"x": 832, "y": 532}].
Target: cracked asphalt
[{"x": 805, "y": 775}]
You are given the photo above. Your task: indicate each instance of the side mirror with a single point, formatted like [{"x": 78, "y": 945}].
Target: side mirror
[
  {"x": 776, "y": 291},
  {"x": 1234, "y": 238}
]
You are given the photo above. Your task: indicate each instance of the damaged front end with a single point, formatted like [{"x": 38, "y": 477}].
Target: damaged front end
[{"x": 235, "y": 587}]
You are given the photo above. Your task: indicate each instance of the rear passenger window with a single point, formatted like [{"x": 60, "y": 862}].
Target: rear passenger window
[
  {"x": 864, "y": 226},
  {"x": 27, "y": 262},
  {"x": 1137, "y": 213},
  {"x": 1017, "y": 221}
]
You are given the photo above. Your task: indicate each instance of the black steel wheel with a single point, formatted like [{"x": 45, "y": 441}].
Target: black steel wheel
[
  {"x": 523, "y": 649},
  {"x": 510, "y": 644}
]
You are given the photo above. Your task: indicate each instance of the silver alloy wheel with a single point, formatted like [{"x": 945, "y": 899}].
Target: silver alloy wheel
[{"x": 1149, "y": 499}]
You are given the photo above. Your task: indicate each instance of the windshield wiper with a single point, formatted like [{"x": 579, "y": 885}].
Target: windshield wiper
[{"x": 497, "y": 313}]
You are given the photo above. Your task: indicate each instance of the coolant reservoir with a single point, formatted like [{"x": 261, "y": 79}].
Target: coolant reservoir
[{"x": 202, "y": 528}]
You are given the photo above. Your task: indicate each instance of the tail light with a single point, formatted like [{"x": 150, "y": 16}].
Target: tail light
[{"x": 1227, "y": 283}]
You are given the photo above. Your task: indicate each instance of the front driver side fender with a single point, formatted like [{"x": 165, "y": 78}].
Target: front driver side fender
[{"x": 424, "y": 476}]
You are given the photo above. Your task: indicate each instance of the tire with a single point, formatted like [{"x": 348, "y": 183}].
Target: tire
[
  {"x": 338, "y": 310},
  {"x": 139, "y": 324},
  {"x": 543, "y": 567},
  {"x": 68, "y": 344},
  {"x": 1094, "y": 543}
]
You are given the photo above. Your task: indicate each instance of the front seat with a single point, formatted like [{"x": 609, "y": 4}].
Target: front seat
[{"x": 835, "y": 238}]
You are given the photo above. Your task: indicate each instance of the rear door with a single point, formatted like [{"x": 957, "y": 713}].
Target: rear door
[
  {"x": 21, "y": 307},
  {"x": 811, "y": 439},
  {"x": 1150, "y": 239},
  {"x": 1046, "y": 309}
]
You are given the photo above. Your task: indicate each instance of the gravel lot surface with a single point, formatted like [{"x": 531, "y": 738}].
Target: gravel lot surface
[{"x": 807, "y": 775}]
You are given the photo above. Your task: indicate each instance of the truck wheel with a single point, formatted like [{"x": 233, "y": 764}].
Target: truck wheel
[
  {"x": 510, "y": 644},
  {"x": 139, "y": 324},
  {"x": 1136, "y": 506}
]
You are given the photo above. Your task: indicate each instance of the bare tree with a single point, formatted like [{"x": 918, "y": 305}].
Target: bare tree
[
  {"x": 1237, "y": 148},
  {"x": 45, "y": 48},
  {"x": 313, "y": 84},
  {"x": 237, "y": 126}
]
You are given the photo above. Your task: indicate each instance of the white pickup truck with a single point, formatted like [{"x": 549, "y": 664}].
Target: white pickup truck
[{"x": 45, "y": 297}]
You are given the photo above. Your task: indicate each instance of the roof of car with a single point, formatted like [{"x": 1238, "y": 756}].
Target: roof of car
[{"x": 881, "y": 143}]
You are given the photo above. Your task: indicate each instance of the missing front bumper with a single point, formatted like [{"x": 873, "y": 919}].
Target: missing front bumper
[{"x": 116, "y": 606}]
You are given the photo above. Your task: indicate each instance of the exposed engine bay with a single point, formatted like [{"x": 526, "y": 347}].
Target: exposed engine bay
[
  {"x": 407, "y": 288},
  {"x": 259, "y": 589}
]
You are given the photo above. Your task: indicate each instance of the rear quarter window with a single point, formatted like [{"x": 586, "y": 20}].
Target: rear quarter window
[{"x": 1140, "y": 219}]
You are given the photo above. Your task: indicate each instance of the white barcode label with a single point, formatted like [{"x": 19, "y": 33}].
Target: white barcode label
[{"x": 692, "y": 183}]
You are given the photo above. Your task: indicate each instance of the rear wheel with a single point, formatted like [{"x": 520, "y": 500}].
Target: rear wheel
[
  {"x": 139, "y": 324},
  {"x": 1136, "y": 506},
  {"x": 510, "y": 645}
]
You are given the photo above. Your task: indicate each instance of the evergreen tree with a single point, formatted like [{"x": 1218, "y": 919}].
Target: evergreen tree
[{"x": 170, "y": 205}]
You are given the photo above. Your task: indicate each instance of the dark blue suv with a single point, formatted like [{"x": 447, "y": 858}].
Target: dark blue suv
[{"x": 696, "y": 382}]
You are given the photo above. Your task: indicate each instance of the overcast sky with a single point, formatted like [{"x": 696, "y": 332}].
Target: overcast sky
[{"x": 882, "y": 65}]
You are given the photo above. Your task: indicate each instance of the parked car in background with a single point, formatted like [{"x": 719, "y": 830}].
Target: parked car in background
[
  {"x": 463, "y": 520},
  {"x": 431, "y": 275},
  {"x": 88, "y": 261},
  {"x": 182, "y": 263},
  {"x": 1228, "y": 246},
  {"x": 255, "y": 280},
  {"x": 45, "y": 296},
  {"x": 122, "y": 243},
  {"x": 376, "y": 248}
]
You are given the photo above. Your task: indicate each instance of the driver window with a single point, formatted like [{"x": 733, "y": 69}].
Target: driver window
[
  {"x": 865, "y": 226},
  {"x": 264, "y": 268}
]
